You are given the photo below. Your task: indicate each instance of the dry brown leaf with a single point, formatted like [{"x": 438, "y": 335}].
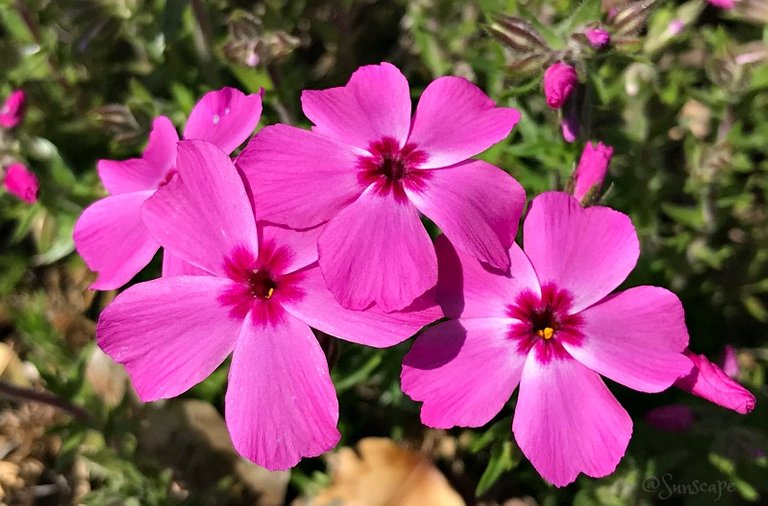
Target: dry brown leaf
[
  {"x": 384, "y": 474},
  {"x": 107, "y": 378}
]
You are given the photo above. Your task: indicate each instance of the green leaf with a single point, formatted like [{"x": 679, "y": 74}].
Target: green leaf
[{"x": 504, "y": 457}]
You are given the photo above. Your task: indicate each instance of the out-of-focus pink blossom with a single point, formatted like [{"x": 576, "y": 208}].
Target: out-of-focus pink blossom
[
  {"x": 560, "y": 79},
  {"x": 730, "y": 362},
  {"x": 723, "y": 4},
  {"x": 598, "y": 37},
  {"x": 709, "y": 382},
  {"x": 592, "y": 167},
  {"x": 375, "y": 168},
  {"x": 110, "y": 235},
  {"x": 21, "y": 182},
  {"x": 671, "y": 418},
  {"x": 261, "y": 292},
  {"x": 675, "y": 27},
  {"x": 552, "y": 326},
  {"x": 12, "y": 111},
  {"x": 569, "y": 123}
]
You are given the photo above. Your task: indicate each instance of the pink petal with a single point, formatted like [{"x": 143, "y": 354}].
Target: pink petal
[
  {"x": 174, "y": 266},
  {"x": 280, "y": 404},
  {"x": 709, "y": 382},
  {"x": 318, "y": 308},
  {"x": 225, "y": 117},
  {"x": 588, "y": 252},
  {"x": 203, "y": 213},
  {"x": 21, "y": 182},
  {"x": 294, "y": 249},
  {"x": 170, "y": 333},
  {"x": 567, "y": 422},
  {"x": 374, "y": 104},
  {"x": 466, "y": 289},
  {"x": 463, "y": 370},
  {"x": 112, "y": 239},
  {"x": 455, "y": 120},
  {"x": 282, "y": 163},
  {"x": 457, "y": 200},
  {"x": 145, "y": 173},
  {"x": 12, "y": 110},
  {"x": 377, "y": 250},
  {"x": 635, "y": 338}
]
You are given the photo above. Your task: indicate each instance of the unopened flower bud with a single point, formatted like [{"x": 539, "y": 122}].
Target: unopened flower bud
[
  {"x": 12, "y": 111},
  {"x": 591, "y": 170},
  {"x": 20, "y": 182},
  {"x": 598, "y": 37},
  {"x": 560, "y": 79},
  {"x": 708, "y": 381}
]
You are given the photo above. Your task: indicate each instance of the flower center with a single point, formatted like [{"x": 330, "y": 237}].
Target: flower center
[
  {"x": 261, "y": 284},
  {"x": 544, "y": 322},
  {"x": 391, "y": 168}
]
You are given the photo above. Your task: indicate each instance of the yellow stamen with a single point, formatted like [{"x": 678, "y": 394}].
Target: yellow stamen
[
  {"x": 270, "y": 292},
  {"x": 546, "y": 332}
]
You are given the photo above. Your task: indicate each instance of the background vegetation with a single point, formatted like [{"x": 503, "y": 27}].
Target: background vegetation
[{"x": 681, "y": 94}]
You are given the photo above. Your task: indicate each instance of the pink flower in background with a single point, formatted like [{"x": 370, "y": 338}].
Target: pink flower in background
[
  {"x": 262, "y": 293},
  {"x": 569, "y": 123},
  {"x": 671, "y": 418},
  {"x": 598, "y": 37},
  {"x": 110, "y": 234},
  {"x": 551, "y": 326},
  {"x": 731, "y": 362},
  {"x": 723, "y": 4},
  {"x": 369, "y": 170},
  {"x": 675, "y": 27},
  {"x": 12, "y": 111},
  {"x": 709, "y": 382},
  {"x": 591, "y": 170},
  {"x": 560, "y": 79},
  {"x": 21, "y": 182}
]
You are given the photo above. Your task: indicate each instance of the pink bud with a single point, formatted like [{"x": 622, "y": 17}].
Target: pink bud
[
  {"x": 675, "y": 27},
  {"x": 12, "y": 110},
  {"x": 560, "y": 80},
  {"x": 592, "y": 168},
  {"x": 598, "y": 37},
  {"x": 708, "y": 381},
  {"x": 671, "y": 418},
  {"x": 21, "y": 182},
  {"x": 730, "y": 362},
  {"x": 723, "y": 4}
]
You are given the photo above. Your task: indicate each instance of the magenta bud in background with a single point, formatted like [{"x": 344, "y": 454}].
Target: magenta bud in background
[
  {"x": 730, "y": 362},
  {"x": 675, "y": 27},
  {"x": 21, "y": 182},
  {"x": 598, "y": 37},
  {"x": 560, "y": 79},
  {"x": 723, "y": 4},
  {"x": 12, "y": 111},
  {"x": 592, "y": 168},
  {"x": 670, "y": 418},
  {"x": 708, "y": 381}
]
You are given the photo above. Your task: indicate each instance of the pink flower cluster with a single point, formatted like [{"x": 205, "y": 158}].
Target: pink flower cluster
[{"x": 322, "y": 229}]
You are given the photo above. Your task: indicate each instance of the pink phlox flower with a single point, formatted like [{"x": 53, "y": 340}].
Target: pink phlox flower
[
  {"x": 598, "y": 37},
  {"x": 367, "y": 170},
  {"x": 709, "y": 382},
  {"x": 560, "y": 80},
  {"x": 670, "y": 418},
  {"x": 550, "y": 325},
  {"x": 261, "y": 294},
  {"x": 21, "y": 182},
  {"x": 110, "y": 234},
  {"x": 592, "y": 168},
  {"x": 12, "y": 110}
]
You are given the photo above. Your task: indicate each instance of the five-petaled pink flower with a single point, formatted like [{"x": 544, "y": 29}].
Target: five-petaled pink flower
[
  {"x": 19, "y": 181},
  {"x": 552, "y": 326},
  {"x": 591, "y": 170},
  {"x": 262, "y": 293},
  {"x": 12, "y": 110},
  {"x": 110, "y": 234},
  {"x": 368, "y": 170},
  {"x": 708, "y": 381},
  {"x": 560, "y": 79}
]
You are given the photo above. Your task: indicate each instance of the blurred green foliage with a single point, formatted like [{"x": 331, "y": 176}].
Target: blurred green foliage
[{"x": 685, "y": 112}]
